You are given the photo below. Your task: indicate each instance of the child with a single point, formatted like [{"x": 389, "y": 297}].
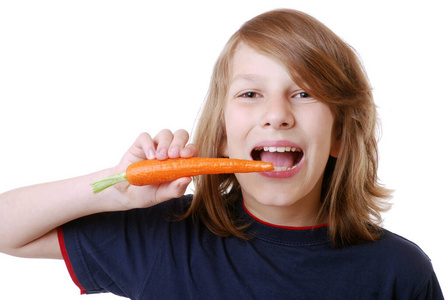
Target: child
[{"x": 285, "y": 90}]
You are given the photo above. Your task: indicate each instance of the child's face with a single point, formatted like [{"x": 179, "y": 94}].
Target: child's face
[{"x": 265, "y": 108}]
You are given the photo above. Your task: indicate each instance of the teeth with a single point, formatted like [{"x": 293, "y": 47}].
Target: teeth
[
  {"x": 278, "y": 169},
  {"x": 279, "y": 149}
]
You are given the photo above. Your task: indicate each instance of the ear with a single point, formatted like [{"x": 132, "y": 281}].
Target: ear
[
  {"x": 224, "y": 149},
  {"x": 336, "y": 145},
  {"x": 336, "y": 141}
]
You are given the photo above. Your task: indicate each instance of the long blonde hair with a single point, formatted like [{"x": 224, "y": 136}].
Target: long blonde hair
[{"x": 328, "y": 69}]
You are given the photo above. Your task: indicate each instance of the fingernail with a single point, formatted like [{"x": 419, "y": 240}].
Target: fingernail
[
  {"x": 151, "y": 154},
  {"x": 186, "y": 152},
  {"x": 174, "y": 151},
  {"x": 162, "y": 153}
]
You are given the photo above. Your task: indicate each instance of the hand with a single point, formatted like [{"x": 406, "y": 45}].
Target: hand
[{"x": 163, "y": 146}]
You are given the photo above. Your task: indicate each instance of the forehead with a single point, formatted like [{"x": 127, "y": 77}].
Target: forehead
[{"x": 249, "y": 65}]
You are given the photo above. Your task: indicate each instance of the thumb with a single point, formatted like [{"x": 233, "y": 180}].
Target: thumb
[{"x": 174, "y": 189}]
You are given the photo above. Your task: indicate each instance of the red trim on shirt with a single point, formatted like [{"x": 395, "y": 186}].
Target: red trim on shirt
[
  {"x": 281, "y": 226},
  {"x": 67, "y": 261}
]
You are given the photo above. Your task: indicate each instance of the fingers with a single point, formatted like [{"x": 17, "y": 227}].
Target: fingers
[
  {"x": 169, "y": 144},
  {"x": 179, "y": 146},
  {"x": 164, "y": 145},
  {"x": 143, "y": 147},
  {"x": 173, "y": 145},
  {"x": 190, "y": 150}
]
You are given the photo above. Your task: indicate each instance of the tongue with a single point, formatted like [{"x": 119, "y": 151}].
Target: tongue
[{"x": 279, "y": 159}]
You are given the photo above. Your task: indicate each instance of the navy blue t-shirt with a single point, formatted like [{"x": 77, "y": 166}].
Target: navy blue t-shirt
[{"x": 144, "y": 254}]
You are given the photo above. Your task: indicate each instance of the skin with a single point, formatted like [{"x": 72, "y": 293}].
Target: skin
[
  {"x": 47, "y": 206},
  {"x": 266, "y": 108}
]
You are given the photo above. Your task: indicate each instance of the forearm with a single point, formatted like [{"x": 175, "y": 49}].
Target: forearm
[{"x": 28, "y": 213}]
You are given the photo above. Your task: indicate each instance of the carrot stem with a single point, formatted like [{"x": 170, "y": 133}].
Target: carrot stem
[{"x": 104, "y": 183}]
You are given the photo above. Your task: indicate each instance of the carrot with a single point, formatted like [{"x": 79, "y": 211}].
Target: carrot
[{"x": 147, "y": 172}]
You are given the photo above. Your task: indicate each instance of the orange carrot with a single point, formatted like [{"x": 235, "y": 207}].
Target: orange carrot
[{"x": 147, "y": 172}]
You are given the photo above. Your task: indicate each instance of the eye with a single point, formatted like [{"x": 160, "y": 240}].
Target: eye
[
  {"x": 249, "y": 95},
  {"x": 303, "y": 95}
]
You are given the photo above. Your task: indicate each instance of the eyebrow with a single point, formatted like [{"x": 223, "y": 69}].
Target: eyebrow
[{"x": 246, "y": 77}]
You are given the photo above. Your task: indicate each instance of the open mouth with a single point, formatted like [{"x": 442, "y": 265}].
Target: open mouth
[{"x": 283, "y": 158}]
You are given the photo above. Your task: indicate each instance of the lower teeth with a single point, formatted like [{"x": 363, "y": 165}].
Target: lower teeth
[{"x": 283, "y": 168}]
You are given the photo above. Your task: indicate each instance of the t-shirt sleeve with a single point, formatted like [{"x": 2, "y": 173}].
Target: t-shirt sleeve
[
  {"x": 113, "y": 252},
  {"x": 413, "y": 273},
  {"x": 431, "y": 290}
]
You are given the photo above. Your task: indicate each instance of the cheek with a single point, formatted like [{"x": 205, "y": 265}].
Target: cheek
[
  {"x": 235, "y": 122},
  {"x": 320, "y": 126},
  {"x": 241, "y": 120},
  {"x": 231, "y": 126},
  {"x": 234, "y": 115}
]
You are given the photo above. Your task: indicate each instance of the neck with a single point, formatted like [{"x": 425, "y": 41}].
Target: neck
[
  {"x": 291, "y": 226},
  {"x": 286, "y": 212},
  {"x": 286, "y": 216}
]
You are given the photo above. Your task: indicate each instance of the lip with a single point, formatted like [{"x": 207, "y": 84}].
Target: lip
[{"x": 281, "y": 143}]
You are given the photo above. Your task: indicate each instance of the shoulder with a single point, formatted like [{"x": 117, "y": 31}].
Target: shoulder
[
  {"x": 398, "y": 256},
  {"x": 403, "y": 262},
  {"x": 110, "y": 245},
  {"x": 400, "y": 249},
  {"x": 391, "y": 255},
  {"x": 408, "y": 266}
]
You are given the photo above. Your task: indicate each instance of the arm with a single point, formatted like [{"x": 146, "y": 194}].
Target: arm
[{"x": 29, "y": 216}]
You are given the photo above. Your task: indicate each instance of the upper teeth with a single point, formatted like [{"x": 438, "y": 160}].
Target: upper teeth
[{"x": 279, "y": 149}]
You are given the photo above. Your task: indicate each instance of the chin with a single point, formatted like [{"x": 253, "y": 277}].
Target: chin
[
  {"x": 278, "y": 192},
  {"x": 270, "y": 198}
]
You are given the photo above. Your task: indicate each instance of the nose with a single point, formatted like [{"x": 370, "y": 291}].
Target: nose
[{"x": 278, "y": 113}]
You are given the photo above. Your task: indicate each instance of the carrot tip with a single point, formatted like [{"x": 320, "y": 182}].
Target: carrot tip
[{"x": 102, "y": 184}]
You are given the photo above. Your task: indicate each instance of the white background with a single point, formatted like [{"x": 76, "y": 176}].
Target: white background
[{"x": 79, "y": 80}]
